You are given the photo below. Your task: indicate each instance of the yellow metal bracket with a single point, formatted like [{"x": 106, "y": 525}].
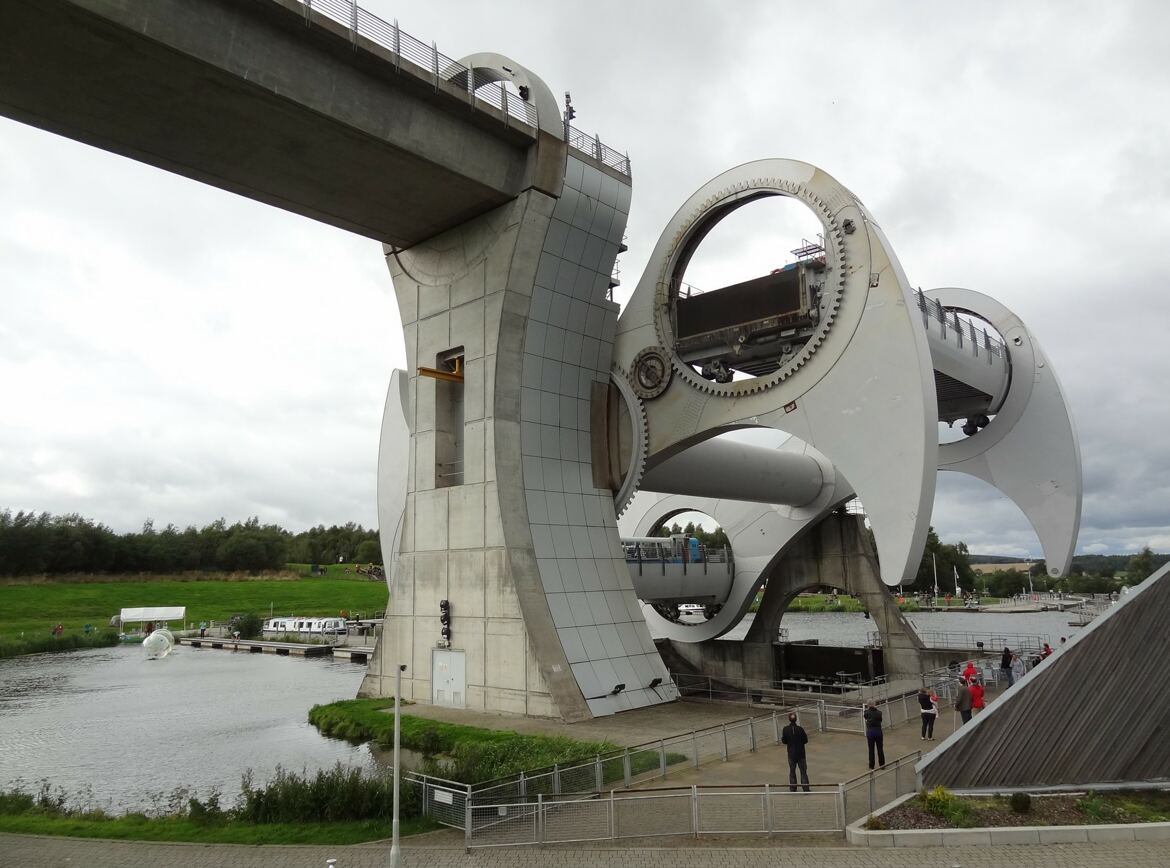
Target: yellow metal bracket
[{"x": 452, "y": 376}]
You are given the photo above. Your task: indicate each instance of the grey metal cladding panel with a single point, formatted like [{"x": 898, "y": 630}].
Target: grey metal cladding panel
[{"x": 1098, "y": 711}]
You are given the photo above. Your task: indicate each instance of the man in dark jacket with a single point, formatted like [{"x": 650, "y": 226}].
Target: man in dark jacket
[
  {"x": 795, "y": 738},
  {"x": 1005, "y": 665},
  {"x": 964, "y": 701},
  {"x": 873, "y": 734}
]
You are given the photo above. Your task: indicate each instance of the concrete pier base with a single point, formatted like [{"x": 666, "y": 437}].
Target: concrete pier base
[{"x": 836, "y": 553}]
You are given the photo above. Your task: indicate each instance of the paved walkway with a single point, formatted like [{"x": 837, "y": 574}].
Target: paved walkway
[
  {"x": 833, "y": 757},
  {"x": 628, "y": 728},
  {"x": 37, "y": 852}
]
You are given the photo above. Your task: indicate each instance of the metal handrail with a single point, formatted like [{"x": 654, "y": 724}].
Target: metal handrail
[
  {"x": 766, "y": 808},
  {"x": 439, "y": 67},
  {"x": 906, "y": 759},
  {"x": 967, "y": 641},
  {"x": 963, "y": 329},
  {"x": 758, "y": 728}
]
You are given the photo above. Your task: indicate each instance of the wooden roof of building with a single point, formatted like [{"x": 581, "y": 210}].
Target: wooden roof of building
[{"x": 1098, "y": 710}]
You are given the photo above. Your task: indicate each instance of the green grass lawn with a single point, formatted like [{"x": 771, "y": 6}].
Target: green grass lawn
[
  {"x": 846, "y": 603},
  {"x": 34, "y": 608},
  {"x": 468, "y": 753},
  {"x": 332, "y": 571},
  {"x": 139, "y": 828}
]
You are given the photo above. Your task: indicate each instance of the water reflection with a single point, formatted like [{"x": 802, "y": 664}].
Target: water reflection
[{"x": 129, "y": 727}]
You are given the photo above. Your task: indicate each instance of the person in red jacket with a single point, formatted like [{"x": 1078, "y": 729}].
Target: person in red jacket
[
  {"x": 976, "y": 696},
  {"x": 970, "y": 672}
]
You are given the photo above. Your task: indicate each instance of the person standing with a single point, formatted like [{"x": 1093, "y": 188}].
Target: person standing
[
  {"x": 873, "y": 734},
  {"x": 795, "y": 738},
  {"x": 1017, "y": 668},
  {"x": 976, "y": 695},
  {"x": 969, "y": 672},
  {"x": 928, "y": 706},
  {"x": 1005, "y": 665},
  {"x": 963, "y": 701}
]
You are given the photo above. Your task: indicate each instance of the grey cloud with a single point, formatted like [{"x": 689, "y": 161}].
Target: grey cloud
[{"x": 171, "y": 350}]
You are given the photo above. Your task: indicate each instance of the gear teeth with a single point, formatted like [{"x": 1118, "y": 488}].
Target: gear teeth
[
  {"x": 633, "y": 481},
  {"x": 662, "y": 300}
]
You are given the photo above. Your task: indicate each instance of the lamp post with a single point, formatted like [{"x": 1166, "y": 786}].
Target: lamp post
[{"x": 395, "y": 851}]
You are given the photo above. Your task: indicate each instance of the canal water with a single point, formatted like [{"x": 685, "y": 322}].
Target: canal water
[
  {"x": 130, "y": 730},
  {"x": 851, "y": 628}
]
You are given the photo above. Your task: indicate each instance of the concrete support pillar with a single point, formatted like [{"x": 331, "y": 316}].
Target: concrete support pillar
[
  {"x": 501, "y": 515},
  {"x": 838, "y": 553}
]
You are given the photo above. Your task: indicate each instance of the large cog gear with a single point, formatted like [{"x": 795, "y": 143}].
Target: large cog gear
[
  {"x": 835, "y": 257},
  {"x": 651, "y": 372},
  {"x": 639, "y": 442}
]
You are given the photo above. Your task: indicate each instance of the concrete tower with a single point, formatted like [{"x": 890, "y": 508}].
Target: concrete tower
[{"x": 502, "y": 519}]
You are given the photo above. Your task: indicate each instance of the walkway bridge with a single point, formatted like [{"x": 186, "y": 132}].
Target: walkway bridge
[
  {"x": 319, "y": 108},
  {"x": 674, "y": 571}
]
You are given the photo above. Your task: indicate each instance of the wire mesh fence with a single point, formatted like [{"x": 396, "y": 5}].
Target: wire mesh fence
[
  {"x": 650, "y": 816},
  {"x": 835, "y": 717},
  {"x": 691, "y": 811},
  {"x": 502, "y": 825},
  {"x": 581, "y": 803},
  {"x": 864, "y": 794},
  {"x": 635, "y": 764},
  {"x": 443, "y": 803},
  {"x": 734, "y": 812}
]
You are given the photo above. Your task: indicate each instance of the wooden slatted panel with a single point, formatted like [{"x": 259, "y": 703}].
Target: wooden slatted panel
[{"x": 1097, "y": 711}]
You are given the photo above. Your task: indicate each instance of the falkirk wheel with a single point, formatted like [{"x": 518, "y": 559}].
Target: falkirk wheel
[{"x": 532, "y": 415}]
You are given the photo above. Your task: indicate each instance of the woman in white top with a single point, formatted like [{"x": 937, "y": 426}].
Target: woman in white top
[{"x": 1017, "y": 668}]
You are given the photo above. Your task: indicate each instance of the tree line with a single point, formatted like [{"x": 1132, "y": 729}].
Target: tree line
[
  {"x": 33, "y": 544},
  {"x": 1088, "y": 574},
  {"x": 711, "y": 539}
]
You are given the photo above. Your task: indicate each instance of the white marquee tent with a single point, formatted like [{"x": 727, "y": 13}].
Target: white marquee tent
[{"x": 153, "y": 613}]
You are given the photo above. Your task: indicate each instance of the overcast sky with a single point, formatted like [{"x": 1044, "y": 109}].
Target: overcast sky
[{"x": 171, "y": 351}]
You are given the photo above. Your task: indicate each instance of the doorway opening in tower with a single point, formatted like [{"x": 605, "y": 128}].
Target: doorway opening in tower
[
  {"x": 684, "y": 568},
  {"x": 746, "y": 294},
  {"x": 972, "y": 369}
]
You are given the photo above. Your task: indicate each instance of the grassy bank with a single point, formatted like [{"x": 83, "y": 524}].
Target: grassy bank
[
  {"x": 334, "y": 806},
  {"x": 139, "y": 828},
  {"x": 32, "y": 608},
  {"x": 15, "y": 647},
  {"x": 462, "y": 753},
  {"x": 845, "y": 603}
]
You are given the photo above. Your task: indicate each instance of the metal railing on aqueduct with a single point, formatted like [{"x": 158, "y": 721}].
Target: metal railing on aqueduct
[{"x": 439, "y": 67}]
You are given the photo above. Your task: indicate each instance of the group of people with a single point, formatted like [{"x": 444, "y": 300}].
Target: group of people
[
  {"x": 1012, "y": 665},
  {"x": 969, "y": 700}
]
